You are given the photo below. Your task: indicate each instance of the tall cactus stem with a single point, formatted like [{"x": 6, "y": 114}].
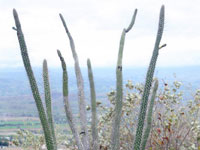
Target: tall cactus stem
[
  {"x": 148, "y": 82},
  {"x": 33, "y": 84},
  {"x": 48, "y": 101},
  {"x": 67, "y": 107},
  {"x": 119, "y": 88},
  {"x": 93, "y": 105},
  {"x": 149, "y": 116},
  {"x": 80, "y": 85},
  {"x": 198, "y": 140}
]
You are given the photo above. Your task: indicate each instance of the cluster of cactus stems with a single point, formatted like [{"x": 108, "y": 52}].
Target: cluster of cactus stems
[
  {"x": 148, "y": 82},
  {"x": 68, "y": 111},
  {"x": 82, "y": 137},
  {"x": 80, "y": 85},
  {"x": 42, "y": 114}
]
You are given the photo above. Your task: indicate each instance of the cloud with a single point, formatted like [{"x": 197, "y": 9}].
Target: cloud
[{"x": 96, "y": 27}]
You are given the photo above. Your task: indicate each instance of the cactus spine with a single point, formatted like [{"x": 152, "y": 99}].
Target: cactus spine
[
  {"x": 67, "y": 107},
  {"x": 119, "y": 88},
  {"x": 93, "y": 104},
  {"x": 80, "y": 85},
  {"x": 149, "y": 78},
  {"x": 33, "y": 84},
  {"x": 149, "y": 116}
]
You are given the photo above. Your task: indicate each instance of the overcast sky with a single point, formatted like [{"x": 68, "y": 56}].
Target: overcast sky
[{"x": 96, "y": 27}]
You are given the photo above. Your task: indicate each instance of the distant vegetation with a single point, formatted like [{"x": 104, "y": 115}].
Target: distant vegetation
[
  {"x": 175, "y": 123},
  {"x": 16, "y": 99}
]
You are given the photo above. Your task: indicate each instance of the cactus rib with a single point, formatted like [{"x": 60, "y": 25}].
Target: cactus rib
[
  {"x": 33, "y": 84},
  {"x": 148, "y": 82}
]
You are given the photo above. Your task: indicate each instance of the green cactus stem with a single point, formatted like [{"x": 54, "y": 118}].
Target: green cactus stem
[
  {"x": 67, "y": 107},
  {"x": 33, "y": 84},
  {"x": 198, "y": 140},
  {"x": 48, "y": 101},
  {"x": 93, "y": 105},
  {"x": 148, "y": 82},
  {"x": 80, "y": 85},
  {"x": 149, "y": 116},
  {"x": 119, "y": 88}
]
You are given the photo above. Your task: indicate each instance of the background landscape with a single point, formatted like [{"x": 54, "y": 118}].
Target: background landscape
[
  {"x": 16, "y": 97},
  {"x": 96, "y": 34}
]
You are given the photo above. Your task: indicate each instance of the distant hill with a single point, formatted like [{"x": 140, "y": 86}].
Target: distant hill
[{"x": 16, "y": 97}]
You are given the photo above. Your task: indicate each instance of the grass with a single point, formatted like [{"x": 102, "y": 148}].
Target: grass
[{"x": 10, "y": 125}]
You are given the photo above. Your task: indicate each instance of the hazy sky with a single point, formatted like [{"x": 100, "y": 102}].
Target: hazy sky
[{"x": 96, "y": 27}]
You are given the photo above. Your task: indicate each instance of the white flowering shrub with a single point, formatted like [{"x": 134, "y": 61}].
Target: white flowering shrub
[{"x": 175, "y": 122}]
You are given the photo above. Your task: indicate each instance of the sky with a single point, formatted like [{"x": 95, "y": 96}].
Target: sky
[{"x": 96, "y": 27}]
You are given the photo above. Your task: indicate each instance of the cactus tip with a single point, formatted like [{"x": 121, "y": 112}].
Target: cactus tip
[
  {"x": 44, "y": 61},
  {"x": 88, "y": 60},
  {"x": 60, "y": 15},
  {"x": 14, "y": 11},
  {"x": 58, "y": 52},
  {"x": 136, "y": 10},
  {"x": 162, "y": 10}
]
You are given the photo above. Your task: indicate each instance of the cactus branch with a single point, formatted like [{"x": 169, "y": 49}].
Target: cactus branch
[
  {"x": 33, "y": 84},
  {"x": 148, "y": 82},
  {"x": 164, "y": 45},
  {"x": 14, "y": 28},
  {"x": 132, "y": 21},
  {"x": 149, "y": 115},
  {"x": 48, "y": 101},
  {"x": 80, "y": 85},
  {"x": 67, "y": 107},
  {"x": 93, "y": 104},
  {"x": 119, "y": 88}
]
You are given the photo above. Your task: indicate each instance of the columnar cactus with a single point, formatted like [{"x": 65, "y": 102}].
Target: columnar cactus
[
  {"x": 83, "y": 143},
  {"x": 33, "y": 84},
  {"x": 67, "y": 107},
  {"x": 198, "y": 140},
  {"x": 149, "y": 115},
  {"x": 94, "y": 144},
  {"x": 148, "y": 82},
  {"x": 48, "y": 101},
  {"x": 80, "y": 84},
  {"x": 119, "y": 88}
]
